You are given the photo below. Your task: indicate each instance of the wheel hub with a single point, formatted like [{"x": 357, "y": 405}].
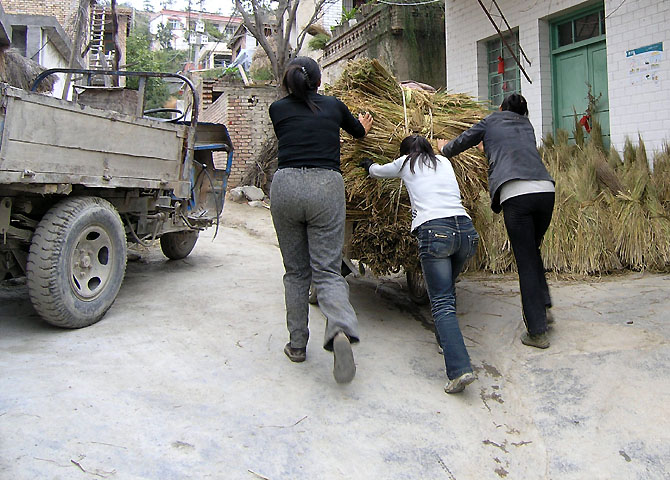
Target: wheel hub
[{"x": 91, "y": 263}]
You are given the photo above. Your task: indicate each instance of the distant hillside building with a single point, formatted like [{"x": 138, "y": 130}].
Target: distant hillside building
[{"x": 189, "y": 30}]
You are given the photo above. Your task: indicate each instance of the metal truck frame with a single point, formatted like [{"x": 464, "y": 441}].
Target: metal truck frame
[{"x": 77, "y": 183}]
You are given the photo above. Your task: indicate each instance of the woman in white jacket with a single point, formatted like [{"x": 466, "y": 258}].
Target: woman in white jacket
[{"x": 446, "y": 238}]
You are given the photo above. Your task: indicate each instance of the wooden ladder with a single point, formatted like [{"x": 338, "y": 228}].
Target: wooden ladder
[{"x": 97, "y": 40}]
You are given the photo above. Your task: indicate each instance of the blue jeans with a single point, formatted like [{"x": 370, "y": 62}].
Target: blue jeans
[{"x": 445, "y": 244}]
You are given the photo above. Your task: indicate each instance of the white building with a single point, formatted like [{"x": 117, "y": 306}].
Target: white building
[
  {"x": 188, "y": 29},
  {"x": 617, "y": 48},
  {"x": 215, "y": 55}
]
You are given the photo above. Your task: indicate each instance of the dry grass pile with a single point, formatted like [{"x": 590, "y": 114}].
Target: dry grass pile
[
  {"x": 382, "y": 239},
  {"x": 19, "y": 71},
  {"x": 610, "y": 213}
]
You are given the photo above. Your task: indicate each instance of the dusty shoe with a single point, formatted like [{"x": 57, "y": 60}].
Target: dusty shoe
[
  {"x": 538, "y": 341},
  {"x": 295, "y": 354},
  {"x": 550, "y": 317},
  {"x": 344, "y": 367},
  {"x": 458, "y": 384}
]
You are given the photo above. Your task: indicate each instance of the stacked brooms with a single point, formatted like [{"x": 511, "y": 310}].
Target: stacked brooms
[{"x": 611, "y": 213}]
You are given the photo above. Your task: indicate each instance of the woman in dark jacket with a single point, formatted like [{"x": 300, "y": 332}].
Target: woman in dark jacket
[
  {"x": 308, "y": 209},
  {"x": 521, "y": 187}
]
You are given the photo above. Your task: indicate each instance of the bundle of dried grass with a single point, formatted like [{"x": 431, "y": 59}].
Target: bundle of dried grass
[
  {"x": 609, "y": 214},
  {"x": 381, "y": 208},
  {"x": 19, "y": 71},
  {"x": 261, "y": 172}
]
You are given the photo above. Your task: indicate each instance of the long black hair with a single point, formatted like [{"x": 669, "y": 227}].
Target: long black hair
[
  {"x": 417, "y": 147},
  {"x": 302, "y": 77},
  {"x": 515, "y": 103}
]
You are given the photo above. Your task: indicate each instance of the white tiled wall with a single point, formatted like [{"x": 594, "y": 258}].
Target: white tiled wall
[
  {"x": 332, "y": 14},
  {"x": 643, "y": 109},
  {"x": 635, "y": 24}
]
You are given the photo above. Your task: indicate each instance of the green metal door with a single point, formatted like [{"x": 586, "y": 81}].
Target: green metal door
[{"x": 579, "y": 63}]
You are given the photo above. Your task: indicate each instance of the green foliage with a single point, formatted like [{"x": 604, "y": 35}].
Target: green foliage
[
  {"x": 212, "y": 31},
  {"x": 140, "y": 58},
  {"x": 164, "y": 36},
  {"x": 348, "y": 14},
  {"x": 262, "y": 74},
  {"x": 212, "y": 73},
  {"x": 318, "y": 41}
]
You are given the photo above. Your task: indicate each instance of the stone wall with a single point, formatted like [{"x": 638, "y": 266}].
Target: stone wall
[
  {"x": 409, "y": 41},
  {"x": 244, "y": 110}
]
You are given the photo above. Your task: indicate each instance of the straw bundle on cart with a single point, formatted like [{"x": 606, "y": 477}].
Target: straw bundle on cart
[{"x": 382, "y": 239}]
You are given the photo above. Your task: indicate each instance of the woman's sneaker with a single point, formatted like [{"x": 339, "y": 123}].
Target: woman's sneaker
[
  {"x": 458, "y": 384},
  {"x": 550, "y": 317},
  {"x": 295, "y": 354},
  {"x": 344, "y": 367},
  {"x": 537, "y": 341}
]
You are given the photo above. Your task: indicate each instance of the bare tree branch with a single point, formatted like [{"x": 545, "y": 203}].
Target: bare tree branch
[
  {"x": 319, "y": 8},
  {"x": 285, "y": 15}
]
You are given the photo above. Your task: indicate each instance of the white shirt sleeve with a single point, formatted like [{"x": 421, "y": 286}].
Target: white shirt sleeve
[{"x": 389, "y": 170}]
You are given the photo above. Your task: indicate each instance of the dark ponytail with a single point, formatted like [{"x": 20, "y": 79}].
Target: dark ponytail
[
  {"x": 301, "y": 78},
  {"x": 417, "y": 147},
  {"x": 515, "y": 103}
]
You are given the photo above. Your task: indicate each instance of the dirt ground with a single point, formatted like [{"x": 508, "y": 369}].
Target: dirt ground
[{"x": 185, "y": 378}]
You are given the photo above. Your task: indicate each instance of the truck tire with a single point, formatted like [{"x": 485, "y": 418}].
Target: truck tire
[
  {"x": 177, "y": 245},
  {"x": 77, "y": 262},
  {"x": 416, "y": 287}
]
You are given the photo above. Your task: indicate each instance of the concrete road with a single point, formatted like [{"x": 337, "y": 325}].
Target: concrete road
[{"x": 185, "y": 378}]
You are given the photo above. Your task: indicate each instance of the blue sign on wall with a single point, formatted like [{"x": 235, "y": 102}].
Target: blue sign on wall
[{"x": 654, "y": 47}]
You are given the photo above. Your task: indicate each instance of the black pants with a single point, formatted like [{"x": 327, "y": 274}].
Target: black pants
[{"x": 527, "y": 218}]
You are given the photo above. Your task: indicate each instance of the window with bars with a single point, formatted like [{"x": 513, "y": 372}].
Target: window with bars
[
  {"x": 576, "y": 30},
  {"x": 503, "y": 72}
]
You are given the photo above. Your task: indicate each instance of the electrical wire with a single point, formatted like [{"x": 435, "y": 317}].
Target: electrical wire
[
  {"x": 216, "y": 202},
  {"x": 216, "y": 199},
  {"x": 617, "y": 8},
  {"x": 400, "y": 4}
]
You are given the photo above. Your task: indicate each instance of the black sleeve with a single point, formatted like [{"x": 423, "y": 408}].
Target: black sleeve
[
  {"x": 465, "y": 140},
  {"x": 350, "y": 124}
]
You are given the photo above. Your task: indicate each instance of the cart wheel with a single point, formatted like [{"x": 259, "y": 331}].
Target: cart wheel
[
  {"x": 178, "y": 245},
  {"x": 416, "y": 287},
  {"x": 312, "y": 295},
  {"x": 77, "y": 261}
]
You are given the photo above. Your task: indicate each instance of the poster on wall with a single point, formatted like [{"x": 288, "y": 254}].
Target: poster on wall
[{"x": 644, "y": 64}]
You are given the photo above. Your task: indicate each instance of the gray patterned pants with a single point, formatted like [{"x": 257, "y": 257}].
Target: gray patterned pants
[{"x": 308, "y": 210}]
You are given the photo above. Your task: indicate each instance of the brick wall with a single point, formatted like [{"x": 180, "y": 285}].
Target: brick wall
[
  {"x": 63, "y": 10},
  {"x": 631, "y": 24},
  {"x": 244, "y": 110}
]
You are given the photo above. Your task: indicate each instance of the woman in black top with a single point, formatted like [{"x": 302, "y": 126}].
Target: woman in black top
[
  {"x": 522, "y": 188},
  {"x": 308, "y": 211}
]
